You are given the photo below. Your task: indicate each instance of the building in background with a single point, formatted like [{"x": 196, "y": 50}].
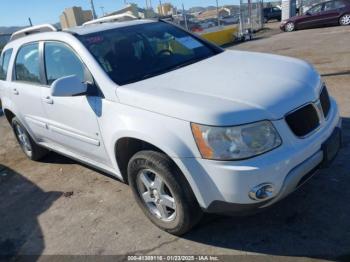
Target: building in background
[
  {"x": 74, "y": 16},
  {"x": 223, "y": 12},
  {"x": 166, "y": 9},
  {"x": 133, "y": 9}
]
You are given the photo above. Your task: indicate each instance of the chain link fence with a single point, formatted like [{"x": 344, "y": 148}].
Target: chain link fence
[
  {"x": 251, "y": 16},
  {"x": 246, "y": 16}
]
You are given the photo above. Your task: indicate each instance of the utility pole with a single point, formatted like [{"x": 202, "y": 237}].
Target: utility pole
[
  {"x": 250, "y": 21},
  {"x": 102, "y": 10},
  {"x": 217, "y": 10},
  {"x": 184, "y": 16},
  {"x": 160, "y": 7},
  {"x": 94, "y": 16}
]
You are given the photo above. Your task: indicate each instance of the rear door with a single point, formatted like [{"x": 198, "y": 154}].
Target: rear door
[
  {"x": 4, "y": 64},
  {"x": 26, "y": 88},
  {"x": 72, "y": 121},
  {"x": 331, "y": 12}
]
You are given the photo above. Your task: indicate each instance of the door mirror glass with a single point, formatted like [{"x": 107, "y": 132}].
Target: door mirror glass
[{"x": 68, "y": 86}]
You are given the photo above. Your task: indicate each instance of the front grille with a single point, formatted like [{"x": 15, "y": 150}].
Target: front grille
[
  {"x": 303, "y": 121},
  {"x": 325, "y": 101}
]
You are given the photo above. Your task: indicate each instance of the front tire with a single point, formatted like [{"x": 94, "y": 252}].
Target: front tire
[
  {"x": 289, "y": 27},
  {"x": 28, "y": 146},
  {"x": 162, "y": 192},
  {"x": 345, "y": 20}
]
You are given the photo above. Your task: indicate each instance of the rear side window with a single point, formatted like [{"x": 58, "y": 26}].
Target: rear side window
[
  {"x": 28, "y": 64},
  {"x": 4, "y": 63},
  {"x": 339, "y": 4},
  {"x": 329, "y": 6},
  {"x": 61, "y": 61}
]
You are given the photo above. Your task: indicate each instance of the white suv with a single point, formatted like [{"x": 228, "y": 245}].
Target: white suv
[{"x": 189, "y": 126}]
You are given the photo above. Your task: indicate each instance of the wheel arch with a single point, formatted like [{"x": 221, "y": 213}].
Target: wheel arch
[
  {"x": 9, "y": 115},
  {"x": 126, "y": 147}
]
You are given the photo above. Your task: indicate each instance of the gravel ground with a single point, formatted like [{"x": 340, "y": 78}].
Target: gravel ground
[{"x": 60, "y": 207}]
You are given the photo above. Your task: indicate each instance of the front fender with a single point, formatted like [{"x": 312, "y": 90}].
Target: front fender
[{"x": 172, "y": 136}]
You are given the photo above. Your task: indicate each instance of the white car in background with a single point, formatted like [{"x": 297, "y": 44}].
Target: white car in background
[{"x": 189, "y": 126}]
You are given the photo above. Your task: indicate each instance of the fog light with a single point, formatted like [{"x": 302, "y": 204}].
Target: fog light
[{"x": 262, "y": 192}]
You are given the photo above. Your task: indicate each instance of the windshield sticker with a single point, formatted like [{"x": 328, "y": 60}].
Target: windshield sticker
[
  {"x": 94, "y": 40},
  {"x": 189, "y": 42}
]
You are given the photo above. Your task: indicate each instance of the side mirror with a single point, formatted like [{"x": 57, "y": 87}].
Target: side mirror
[{"x": 68, "y": 86}]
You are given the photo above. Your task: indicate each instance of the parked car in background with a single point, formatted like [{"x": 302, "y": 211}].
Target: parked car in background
[
  {"x": 208, "y": 23},
  {"x": 156, "y": 107},
  {"x": 230, "y": 20},
  {"x": 272, "y": 13},
  {"x": 336, "y": 12}
]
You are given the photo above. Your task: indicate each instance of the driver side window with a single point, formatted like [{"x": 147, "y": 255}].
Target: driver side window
[
  {"x": 61, "y": 61},
  {"x": 316, "y": 9}
]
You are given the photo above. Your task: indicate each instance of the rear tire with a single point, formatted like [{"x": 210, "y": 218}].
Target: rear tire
[
  {"x": 162, "y": 192},
  {"x": 344, "y": 19},
  {"x": 27, "y": 144}
]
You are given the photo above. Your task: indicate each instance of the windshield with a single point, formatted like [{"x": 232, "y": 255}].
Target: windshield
[{"x": 133, "y": 53}]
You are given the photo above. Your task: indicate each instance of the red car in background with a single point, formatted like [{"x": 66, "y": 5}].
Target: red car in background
[{"x": 335, "y": 12}]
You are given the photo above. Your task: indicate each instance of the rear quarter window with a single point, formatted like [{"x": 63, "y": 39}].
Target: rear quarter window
[{"x": 4, "y": 63}]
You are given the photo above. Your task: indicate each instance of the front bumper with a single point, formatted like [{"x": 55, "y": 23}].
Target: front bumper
[
  {"x": 295, "y": 179},
  {"x": 224, "y": 186}
]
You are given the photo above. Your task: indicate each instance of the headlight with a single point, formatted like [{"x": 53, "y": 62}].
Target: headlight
[{"x": 237, "y": 142}]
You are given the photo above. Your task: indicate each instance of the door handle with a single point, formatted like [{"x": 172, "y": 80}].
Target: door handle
[
  {"x": 15, "y": 91},
  {"x": 48, "y": 100}
]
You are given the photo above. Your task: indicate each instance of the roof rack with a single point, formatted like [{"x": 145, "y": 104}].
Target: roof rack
[
  {"x": 33, "y": 30},
  {"x": 111, "y": 18}
]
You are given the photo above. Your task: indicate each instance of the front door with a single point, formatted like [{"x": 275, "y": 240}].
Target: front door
[
  {"x": 312, "y": 18},
  {"x": 72, "y": 121}
]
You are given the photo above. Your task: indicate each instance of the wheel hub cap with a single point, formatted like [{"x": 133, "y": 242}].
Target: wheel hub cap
[
  {"x": 346, "y": 19},
  {"x": 156, "y": 195}
]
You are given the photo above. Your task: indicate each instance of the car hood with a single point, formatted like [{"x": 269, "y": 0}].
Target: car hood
[{"x": 233, "y": 87}]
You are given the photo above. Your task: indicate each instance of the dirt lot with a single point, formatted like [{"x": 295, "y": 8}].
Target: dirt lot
[{"x": 58, "y": 206}]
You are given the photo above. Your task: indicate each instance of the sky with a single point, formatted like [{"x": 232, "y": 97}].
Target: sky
[{"x": 16, "y": 12}]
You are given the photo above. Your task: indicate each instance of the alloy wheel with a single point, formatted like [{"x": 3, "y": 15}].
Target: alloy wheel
[
  {"x": 23, "y": 140},
  {"x": 345, "y": 20},
  {"x": 289, "y": 27},
  {"x": 156, "y": 195}
]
